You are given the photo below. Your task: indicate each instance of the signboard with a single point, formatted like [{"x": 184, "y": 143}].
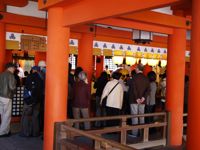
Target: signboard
[{"x": 36, "y": 43}]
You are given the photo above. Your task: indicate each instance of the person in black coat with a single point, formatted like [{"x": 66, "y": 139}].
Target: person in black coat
[
  {"x": 99, "y": 85},
  {"x": 30, "y": 124}
]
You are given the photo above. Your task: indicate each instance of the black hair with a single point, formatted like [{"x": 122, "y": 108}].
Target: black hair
[
  {"x": 77, "y": 71},
  {"x": 9, "y": 65},
  {"x": 133, "y": 72},
  {"x": 152, "y": 76},
  {"x": 116, "y": 75}
]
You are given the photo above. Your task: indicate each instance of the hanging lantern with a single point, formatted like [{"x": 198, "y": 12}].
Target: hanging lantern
[
  {"x": 163, "y": 63},
  {"x": 142, "y": 37},
  {"x": 130, "y": 60},
  {"x": 117, "y": 60},
  {"x": 144, "y": 61},
  {"x": 153, "y": 62}
]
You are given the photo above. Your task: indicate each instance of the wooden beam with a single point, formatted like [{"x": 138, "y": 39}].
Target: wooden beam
[
  {"x": 23, "y": 20},
  {"x": 17, "y": 3},
  {"x": 157, "y": 18},
  {"x": 25, "y": 29},
  {"x": 90, "y": 10},
  {"x": 34, "y": 30},
  {"x": 101, "y": 31},
  {"x": 135, "y": 25},
  {"x": 51, "y": 3}
]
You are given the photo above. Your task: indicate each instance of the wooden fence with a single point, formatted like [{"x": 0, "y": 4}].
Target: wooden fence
[{"x": 65, "y": 133}]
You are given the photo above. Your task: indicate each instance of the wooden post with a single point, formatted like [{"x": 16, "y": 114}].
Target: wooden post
[{"x": 57, "y": 74}]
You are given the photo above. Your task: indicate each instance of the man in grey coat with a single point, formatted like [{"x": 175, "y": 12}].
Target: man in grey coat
[{"x": 7, "y": 89}]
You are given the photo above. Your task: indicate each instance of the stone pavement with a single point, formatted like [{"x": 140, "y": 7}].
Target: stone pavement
[{"x": 15, "y": 142}]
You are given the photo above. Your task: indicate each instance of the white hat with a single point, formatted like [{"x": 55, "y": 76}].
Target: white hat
[{"x": 42, "y": 63}]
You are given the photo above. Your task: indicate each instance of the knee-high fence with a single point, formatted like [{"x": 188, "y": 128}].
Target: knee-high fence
[{"x": 66, "y": 135}]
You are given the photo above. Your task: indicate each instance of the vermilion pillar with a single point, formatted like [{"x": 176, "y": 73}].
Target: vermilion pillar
[
  {"x": 99, "y": 65},
  {"x": 193, "y": 129},
  {"x": 2, "y": 46},
  {"x": 57, "y": 74},
  {"x": 175, "y": 83},
  {"x": 85, "y": 54}
]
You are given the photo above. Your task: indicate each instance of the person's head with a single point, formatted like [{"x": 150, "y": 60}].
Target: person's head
[
  {"x": 10, "y": 67},
  {"x": 77, "y": 71},
  {"x": 104, "y": 75},
  {"x": 133, "y": 72},
  {"x": 116, "y": 75},
  {"x": 139, "y": 68},
  {"x": 152, "y": 76},
  {"x": 26, "y": 73},
  {"x": 35, "y": 69},
  {"x": 106, "y": 67},
  {"x": 82, "y": 76},
  {"x": 42, "y": 64}
]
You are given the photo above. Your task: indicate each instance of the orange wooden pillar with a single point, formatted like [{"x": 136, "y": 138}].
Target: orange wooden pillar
[
  {"x": 193, "y": 129},
  {"x": 99, "y": 65},
  {"x": 57, "y": 76},
  {"x": 2, "y": 40},
  {"x": 2, "y": 46},
  {"x": 85, "y": 54},
  {"x": 40, "y": 56},
  {"x": 175, "y": 83}
]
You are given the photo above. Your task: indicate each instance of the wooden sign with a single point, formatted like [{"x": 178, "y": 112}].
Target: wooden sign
[{"x": 35, "y": 43}]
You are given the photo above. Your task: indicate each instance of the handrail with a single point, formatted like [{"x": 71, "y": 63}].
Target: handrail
[
  {"x": 114, "y": 117},
  {"x": 71, "y": 133},
  {"x": 97, "y": 138}
]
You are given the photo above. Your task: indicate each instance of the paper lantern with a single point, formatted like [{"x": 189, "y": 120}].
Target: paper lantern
[
  {"x": 144, "y": 61},
  {"x": 117, "y": 60},
  {"x": 130, "y": 60}
]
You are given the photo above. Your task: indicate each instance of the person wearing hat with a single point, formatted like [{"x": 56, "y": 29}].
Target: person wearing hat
[
  {"x": 81, "y": 98},
  {"x": 30, "y": 118},
  {"x": 7, "y": 89}
]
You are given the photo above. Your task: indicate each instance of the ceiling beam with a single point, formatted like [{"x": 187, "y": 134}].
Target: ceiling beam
[
  {"x": 158, "y": 18},
  {"x": 135, "y": 25},
  {"x": 90, "y": 10},
  {"x": 51, "y": 3},
  {"x": 17, "y": 3},
  {"x": 23, "y": 20}
]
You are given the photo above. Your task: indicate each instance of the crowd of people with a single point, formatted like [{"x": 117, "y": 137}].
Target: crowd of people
[
  {"x": 33, "y": 94},
  {"x": 116, "y": 94}
]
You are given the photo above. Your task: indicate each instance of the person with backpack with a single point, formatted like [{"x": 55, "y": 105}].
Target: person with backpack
[{"x": 30, "y": 125}]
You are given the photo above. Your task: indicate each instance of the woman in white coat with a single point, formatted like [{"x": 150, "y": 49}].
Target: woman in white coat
[{"x": 114, "y": 99}]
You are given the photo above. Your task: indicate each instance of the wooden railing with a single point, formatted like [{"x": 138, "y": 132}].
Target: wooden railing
[{"x": 65, "y": 133}]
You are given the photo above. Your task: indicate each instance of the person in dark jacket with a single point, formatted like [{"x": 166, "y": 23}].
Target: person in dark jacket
[
  {"x": 151, "y": 99},
  {"x": 7, "y": 89},
  {"x": 99, "y": 85},
  {"x": 138, "y": 92},
  {"x": 81, "y": 99},
  {"x": 69, "y": 98},
  {"x": 30, "y": 125}
]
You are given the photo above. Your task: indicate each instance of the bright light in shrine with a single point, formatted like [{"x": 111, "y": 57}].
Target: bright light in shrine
[
  {"x": 130, "y": 60},
  {"x": 117, "y": 60}
]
